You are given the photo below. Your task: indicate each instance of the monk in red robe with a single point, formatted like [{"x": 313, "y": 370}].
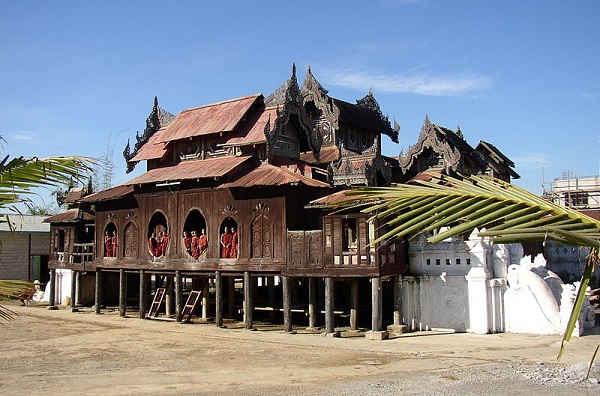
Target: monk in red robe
[
  {"x": 164, "y": 242},
  {"x": 152, "y": 244},
  {"x": 113, "y": 241},
  {"x": 233, "y": 250},
  {"x": 225, "y": 243},
  {"x": 195, "y": 245},
  {"x": 203, "y": 241},
  {"x": 187, "y": 242},
  {"x": 107, "y": 244}
]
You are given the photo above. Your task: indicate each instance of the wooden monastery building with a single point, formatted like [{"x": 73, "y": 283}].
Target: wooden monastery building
[{"x": 234, "y": 219}]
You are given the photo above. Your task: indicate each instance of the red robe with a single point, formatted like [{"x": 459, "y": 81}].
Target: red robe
[
  {"x": 195, "y": 247},
  {"x": 163, "y": 244},
  {"x": 108, "y": 246},
  {"x": 234, "y": 245},
  {"x": 152, "y": 245},
  {"x": 203, "y": 243},
  {"x": 187, "y": 244},
  {"x": 225, "y": 245}
]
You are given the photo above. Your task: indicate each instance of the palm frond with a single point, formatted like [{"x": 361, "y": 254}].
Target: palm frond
[
  {"x": 19, "y": 177},
  {"x": 503, "y": 212},
  {"x": 13, "y": 289}
]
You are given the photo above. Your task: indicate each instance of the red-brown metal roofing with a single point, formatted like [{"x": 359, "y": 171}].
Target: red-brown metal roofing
[
  {"x": 326, "y": 155},
  {"x": 108, "y": 194},
  {"x": 187, "y": 170},
  {"x": 331, "y": 200},
  {"x": 69, "y": 216},
  {"x": 252, "y": 129},
  {"x": 152, "y": 149},
  {"x": 270, "y": 175},
  {"x": 75, "y": 194},
  {"x": 209, "y": 119}
]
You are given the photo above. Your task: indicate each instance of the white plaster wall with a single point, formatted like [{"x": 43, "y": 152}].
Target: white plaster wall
[{"x": 435, "y": 303}]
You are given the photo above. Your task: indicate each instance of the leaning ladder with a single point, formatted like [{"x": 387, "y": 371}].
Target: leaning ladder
[
  {"x": 159, "y": 297},
  {"x": 190, "y": 305}
]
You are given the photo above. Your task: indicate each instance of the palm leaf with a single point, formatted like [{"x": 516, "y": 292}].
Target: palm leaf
[
  {"x": 19, "y": 177},
  {"x": 13, "y": 289},
  {"x": 502, "y": 211}
]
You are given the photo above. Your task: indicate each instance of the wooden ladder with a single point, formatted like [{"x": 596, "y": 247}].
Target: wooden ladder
[
  {"x": 190, "y": 305},
  {"x": 159, "y": 297}
]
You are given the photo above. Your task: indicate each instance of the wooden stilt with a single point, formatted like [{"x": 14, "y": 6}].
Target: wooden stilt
[
  {"x": 178, "y": 295},
  {"x": 248, "y": 301},
  {"x": 98, "y": 291},
  {"x": 376, "y": 319},
  {"x": 312, "y": 302},
  {"x": 52, "y": 291},
  {"x": 142, "y": 294},
  {"x": 218, "y": 299},
  {"x": 122, "y": 292},
  {"x": 205, "y": 289},
  {"x": 272, "y": 296},
  {"x": 169, "y": 303},
  {"x": 287, "y": 304},
  {"x": 73, "y": 289},
  {"x": 354, "y": 306},
  {"x": 397, "y": 300},
  {"x": 329, "y": 304},
  {"x": 231, "y": 296}
]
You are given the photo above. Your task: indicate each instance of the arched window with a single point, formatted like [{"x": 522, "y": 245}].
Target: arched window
[
  {"x": 229, "y": 238},
  {"x": 130, "y": 244},
  {"x": 158, "y": 236},
  {"x": 195, "y": 235},
  {"x": 110, "y": 240}
]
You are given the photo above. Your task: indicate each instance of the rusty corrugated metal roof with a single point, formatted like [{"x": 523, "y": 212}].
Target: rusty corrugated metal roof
[
  {"x": 252, "y": 129},
  {"x": 326, "y": 155},
  {"x": 270, "y": 175},
  {"x": 332, "y": 200},
  {"x": 152, "y": 149},
  {"x": 70, "y": 216},
  {"x": 75, "y": 194},
  {"x": 108, "y": 194},
  {"x": 209, "y": 119},
  {"x": 187, "y": 170}
]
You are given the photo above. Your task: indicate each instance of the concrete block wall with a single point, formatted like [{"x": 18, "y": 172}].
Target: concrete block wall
[{"x": 15, "y": 252}]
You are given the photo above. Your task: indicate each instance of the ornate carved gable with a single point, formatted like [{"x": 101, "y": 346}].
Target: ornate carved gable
[
  {"x": 369, "y": 102},
  {"x": 375, "y": 171},
  {"x": 157, "y": 119},
  {"x": 431, "y": 151},
  {"x": 289, "y": 102},
  {"x": 324, "y": 113}
]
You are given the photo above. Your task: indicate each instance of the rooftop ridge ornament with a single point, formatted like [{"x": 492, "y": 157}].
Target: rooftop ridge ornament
[
  {"x": 369, "y": 102},
  {"x": 157, "y": 119}
]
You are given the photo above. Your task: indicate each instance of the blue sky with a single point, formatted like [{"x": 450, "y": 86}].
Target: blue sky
[{"x": 79, "y": 77}]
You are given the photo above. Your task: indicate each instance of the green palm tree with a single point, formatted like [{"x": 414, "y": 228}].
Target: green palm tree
[
  {"x": 502, "y": 211},
  {"x": 19, "y": 179}
]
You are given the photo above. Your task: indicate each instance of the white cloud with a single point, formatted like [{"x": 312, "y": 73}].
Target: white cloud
[
  {"x": 23, "y": 136},
  {"x": 420, "y": 83},
  {"x": 532, "y": 160}
]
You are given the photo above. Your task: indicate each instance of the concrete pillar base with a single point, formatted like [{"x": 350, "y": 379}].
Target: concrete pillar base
[
  {"x": 397, "y": 329},
  {"x": 335, "y": 334},
  {"x": 377, "y": 335}
]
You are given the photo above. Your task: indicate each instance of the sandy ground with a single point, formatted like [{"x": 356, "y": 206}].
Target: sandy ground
[{"x": 66, "y": 353}]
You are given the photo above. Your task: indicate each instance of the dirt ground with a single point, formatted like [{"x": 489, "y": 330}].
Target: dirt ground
[{"x": 67, "y": 353}]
